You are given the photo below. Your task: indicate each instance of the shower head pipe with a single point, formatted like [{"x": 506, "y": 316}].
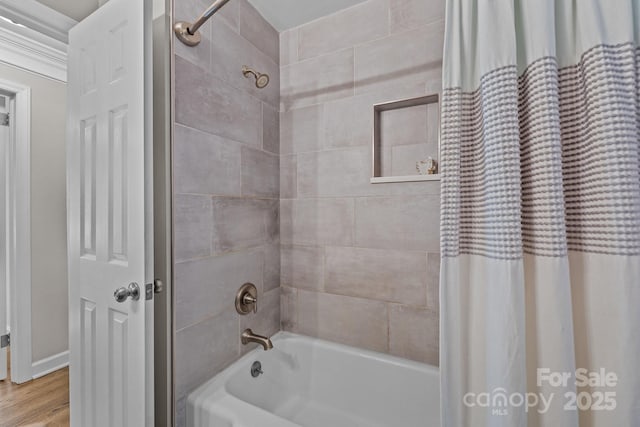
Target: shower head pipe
[{"x": 188, "y": 33}]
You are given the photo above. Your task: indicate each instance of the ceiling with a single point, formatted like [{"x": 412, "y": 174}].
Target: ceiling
[
  {"x": 282, "y": 14},
  {"x": 75, "y": 9},
  {"x": 286, "y": 14}
]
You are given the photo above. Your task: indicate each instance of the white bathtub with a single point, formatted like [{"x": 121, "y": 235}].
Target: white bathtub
[{"x": 314, "y": 383}]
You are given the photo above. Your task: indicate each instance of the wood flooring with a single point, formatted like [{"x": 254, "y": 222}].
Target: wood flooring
[{"x": 43, "y": 402}]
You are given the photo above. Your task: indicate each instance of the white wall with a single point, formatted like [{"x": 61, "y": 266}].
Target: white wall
[{"x": 49, "y": 292}]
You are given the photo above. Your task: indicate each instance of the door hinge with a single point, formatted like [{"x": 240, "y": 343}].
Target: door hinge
[
  {"x": 4, "y": 119},
  {"x": 5, "y": 340},
  {"x": 153, "y": 288}
]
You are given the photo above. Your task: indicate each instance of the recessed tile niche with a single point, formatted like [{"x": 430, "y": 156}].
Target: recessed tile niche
[{"x": 406, "y": 140}]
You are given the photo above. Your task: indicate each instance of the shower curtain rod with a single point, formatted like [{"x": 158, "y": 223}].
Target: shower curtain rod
[{"x": 188, "y": 33}]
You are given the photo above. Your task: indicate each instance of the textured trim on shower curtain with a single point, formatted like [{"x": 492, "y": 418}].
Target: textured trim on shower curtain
[{"x": 510, "y": 186}]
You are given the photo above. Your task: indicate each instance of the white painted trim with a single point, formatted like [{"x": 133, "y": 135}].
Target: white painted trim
[
  {"x": 30, "y": 50},
  {"x": 407, "y": 178},
  {"x": 19, "y": 256},
  {"x": 39, "y": 17},
  {"x": 50, "y": 364}
]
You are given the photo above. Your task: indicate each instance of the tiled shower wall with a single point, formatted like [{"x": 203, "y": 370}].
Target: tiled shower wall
[
  {"x": 226, "y": 190},
  {"x": 360, "y": 261}
]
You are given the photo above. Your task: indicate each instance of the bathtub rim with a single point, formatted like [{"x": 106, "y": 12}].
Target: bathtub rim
[{"x": 217, "y": 384}]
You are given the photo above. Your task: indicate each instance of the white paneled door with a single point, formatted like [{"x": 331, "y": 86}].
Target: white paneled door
[{"x": 109, "y": 252}]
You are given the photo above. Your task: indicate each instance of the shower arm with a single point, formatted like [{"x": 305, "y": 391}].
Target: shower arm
[
  {"x": 188, "y": 33},
  {"x": 217, "y": 5}
]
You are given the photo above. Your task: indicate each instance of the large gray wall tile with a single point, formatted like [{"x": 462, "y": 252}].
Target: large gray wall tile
[
  {"x": 271, "y": 266},
  {"x": 358, "y": 24},
  {"x": 238, "y": 223},
  {"x": 380, "y": 274},
  {"x": 241, "y": 223},
  {"x": 349, "y": 122},
  {"x": 192, "y": 226},
  {"x": 288, "y": 47},
  {"x": 302, "y": 267},
  {"x": 260, "y": 173},
  {"x": 301, "y": 130},
  {"x": 229, "y": 14},
  {"x": 286, "y": 221},
  {"x": 335, "y": 173},
  {"x": 204, "y": 349},
  {"x": 272, "y": 220},
  {"x": 288, "y": 176},
  {"x": 270, "y": 129},
  {"x": 434, "y": 86},
  {"x": 317, "y": 80},
  {"x": 205, "y": 163},
  {"x": 207, "y": 287},
  {"x": 288, "y": 307},
  {"x": 209, "y": 104},
  {"x": 258, "y": 31},
  {"x": 230, "y": 51},
  {"x": 408, "y": 14},
  {"x": 433, "y": 281},
  {"x": 406, "y": 223},
  {"x": 319, "y": 221},
  {"x": 413, "y": 333},
  {"x": 354, "y": 321},
  {"x": 407, "y": 57},
  {"x": 199, "y": 55}
]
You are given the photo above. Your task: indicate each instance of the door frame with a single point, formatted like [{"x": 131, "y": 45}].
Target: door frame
[
  {"x": 43, "y": 55},
  {"x": 19, "y": 220}
]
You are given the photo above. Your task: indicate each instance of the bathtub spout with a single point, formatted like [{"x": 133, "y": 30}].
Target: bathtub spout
[{"x": 248, "y": 336}]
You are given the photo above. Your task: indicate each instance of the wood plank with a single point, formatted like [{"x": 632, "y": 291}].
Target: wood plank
[{"x": 43, "y": 402}]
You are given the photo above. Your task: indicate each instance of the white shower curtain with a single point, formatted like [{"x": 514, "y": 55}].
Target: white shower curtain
[{"x": 540, "y": 219}]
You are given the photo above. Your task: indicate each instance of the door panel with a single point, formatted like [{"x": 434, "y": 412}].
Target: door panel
[
  {"x": 88, "y": 187},
  {"x": 87, "y": 364},
  {"x": 118, "y": 339},
  {"x": 108, "y": 248}
]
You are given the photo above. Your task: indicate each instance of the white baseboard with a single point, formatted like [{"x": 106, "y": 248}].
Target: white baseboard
[{"x": 50, "y": 364}]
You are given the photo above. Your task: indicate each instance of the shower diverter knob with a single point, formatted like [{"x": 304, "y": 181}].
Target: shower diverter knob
[{"x": 247, "y": 299}]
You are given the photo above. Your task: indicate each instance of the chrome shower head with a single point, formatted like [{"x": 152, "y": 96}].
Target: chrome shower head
[{"x": 262, "y": 80}]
